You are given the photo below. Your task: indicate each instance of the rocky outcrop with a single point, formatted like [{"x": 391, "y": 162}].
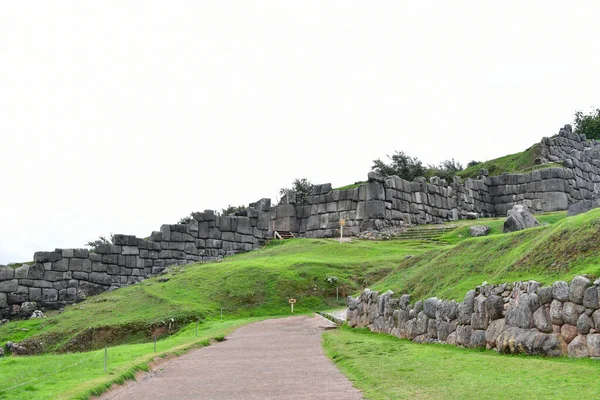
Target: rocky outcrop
[
  {"x": 519, "y": 218},
  {"x": 479, "y": 230},
  {"x": 521, "y": 317}
]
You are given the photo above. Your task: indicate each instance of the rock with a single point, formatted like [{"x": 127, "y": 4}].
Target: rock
[
  {"x": 472, "y": 215},
  {"x": 479, "y": 230},
  {"x": 568, "y": 332},
  {"x": 584, "y": 324},
  {"x": 404, "y": 301},
  {"x": 577, "y": 288},
  {"x": 494, "y": 306},
  {"x": 493, "y": 330},
  {"x": 1, "y": 351},
  {"x": 578, "y": 347},
  {"x": 545, "y": 295},
  {"x": 591, "y": 297},
  {"x": 477, "y": 339},
  {"x": 596, "y": 319},
  {"x": 463, "y": 335},
  {"x": 453, "y": 339},
  {"x": 581, "y": 207},
  {"x": 519, "y": 218},
  {"x": 571, "y": 312},
  {"x": 430, "y": 306},
  {"x": 445, "y": 329},
  {"x": 27, "y": 308},
  {"x": 530, "y": 341},
  {"x": 542, "y": 321},
  {"x": 593, "y": 344},
  {"x": 37, "y": 314},
  {"x": 560, "y": 291}
]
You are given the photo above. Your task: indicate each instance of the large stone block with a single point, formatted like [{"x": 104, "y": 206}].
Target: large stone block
[
  {"x": 49, "y": 295},
  {"x": 9, "y": 286},
  {"x": 554, "y": 201},
  {"x": 375, "y": 209},
  {"x": 577, "y": 289}
]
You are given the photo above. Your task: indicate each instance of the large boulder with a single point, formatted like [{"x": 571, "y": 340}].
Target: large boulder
[
  {"x": 519, "y": 218},
  {"x": 582, "y": 207}
]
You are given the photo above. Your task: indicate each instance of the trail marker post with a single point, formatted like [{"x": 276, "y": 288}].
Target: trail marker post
[
  {"x": 342, "y": 223},
  {"x": 292, "y": 301}
]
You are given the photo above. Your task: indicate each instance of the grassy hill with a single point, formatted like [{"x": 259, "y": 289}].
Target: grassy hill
[
  {"x": 258, "y": 284},
  {"x": 513, "y": 163}
]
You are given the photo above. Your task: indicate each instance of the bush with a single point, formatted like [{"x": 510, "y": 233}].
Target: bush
[
  {"x": 402, "y": 165},
  {"x": 588, "y": 124},
  {"x": 302, "y": 187},
  {"x": 100, "y": 241}
]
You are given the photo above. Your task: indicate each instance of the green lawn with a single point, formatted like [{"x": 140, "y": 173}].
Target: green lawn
[
  {"x": 385, "y": 367},
  {"x": 80, "y": 375}
]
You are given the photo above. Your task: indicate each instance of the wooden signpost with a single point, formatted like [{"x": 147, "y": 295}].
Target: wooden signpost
[
  {"x": 292, "y": 301},
  {"x": 342, "y": 223}
]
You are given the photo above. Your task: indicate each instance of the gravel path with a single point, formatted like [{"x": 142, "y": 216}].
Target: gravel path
[{"x": 272, "y": 359}]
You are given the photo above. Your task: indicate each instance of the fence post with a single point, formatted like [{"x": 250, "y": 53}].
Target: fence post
[{"x": 105, "y": 357}]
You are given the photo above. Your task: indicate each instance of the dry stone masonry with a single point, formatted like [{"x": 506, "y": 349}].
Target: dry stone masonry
[
  {"x": 523, "y": 317},
  {"x": 67, "y": 275}
]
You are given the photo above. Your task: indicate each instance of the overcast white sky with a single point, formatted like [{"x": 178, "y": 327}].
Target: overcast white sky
[{"x": 119, "y": 116}]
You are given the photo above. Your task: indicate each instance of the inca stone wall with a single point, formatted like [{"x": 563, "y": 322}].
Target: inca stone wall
[
  {"x": 523, "y": 317},
  {"x": 392, "y": 201},
  {"x": 65, "y": 276}
]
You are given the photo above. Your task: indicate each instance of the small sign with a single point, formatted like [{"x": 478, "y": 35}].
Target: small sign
[
  {"x": 292, "y": 301},
  {"x": 342, "y": 222}
]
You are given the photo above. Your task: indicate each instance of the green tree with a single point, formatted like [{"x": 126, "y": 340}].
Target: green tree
[
  {"x": 588, "y": 124},
  {"x": 473, "y": 163},
  {"x": 401, "y": 164},
  {"x": 100, "y": 241},
  {"x": 447, "y": 169},
  {"x": 232, "y": 209},
  {"x": 302, "y": 187}
]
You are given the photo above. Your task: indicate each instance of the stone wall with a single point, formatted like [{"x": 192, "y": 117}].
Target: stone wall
[
  {"x": 65, "y": 276},
  {"x": 392, "y": 201},
  {"x": 523, "y": 317}
]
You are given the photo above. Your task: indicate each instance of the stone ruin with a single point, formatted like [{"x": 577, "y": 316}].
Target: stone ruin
[
  {"x": 522, "y": 317},
  {"x": 64, "y": 276}
]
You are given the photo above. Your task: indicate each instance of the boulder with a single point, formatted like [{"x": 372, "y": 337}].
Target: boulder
[
  {"x": 568, "y": 332},
  {"x": 571, "y": 312},
  {"x": 530, "y": 341},
  {"x": 578, "y": 347},
  {"x": 577, "y": 288},
  {"x": 479, "y": 230},
  {"x": 472, "y": 215},
  {"x": 582, "y": 207},
  {"x": 542, "y": 321},
  {"x": 519, "y": 218},
  {"x": 593, "y": 345},
  {"x": 591, "y": 297},
  {"x": 493, "y": 330},
  {"x": 560, "y": 290},
  {"x": 584, "y": 324},
  {"x": 545, "y": 295},
  {"x": 477, "y": 339},
  {"x": 556, "y": 308}
]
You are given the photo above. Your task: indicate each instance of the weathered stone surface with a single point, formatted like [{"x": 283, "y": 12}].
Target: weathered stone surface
[
  {"x": 556, "y": 309},
  {"x": 591, "y": 297},
  {"x": 570, "y": 313},
  {"x": 577, "y": 289},
  {"x": 584, "y": 324},
  {"x": 9, "y": 286},
  {"x": 519, "y": 218},
  {"x": 531, "y": 342},
  {"x": 593, "y": 344},
  {"x": 430, "y": 306},
  {"x": 560, "y": 291},
  {"x": 463, "y": 335},
  {"x": 545, "y": 295},
  {"x": 542, "y": 321},
  {"x": 578, "y": 347},
  {"x": 568, "y": 332},
  {"x": 493, "y": 331},
  {"x": 580, "y": 207},
  {"x": 479, "y": 230},
  {"x": 477, "y": 339}
]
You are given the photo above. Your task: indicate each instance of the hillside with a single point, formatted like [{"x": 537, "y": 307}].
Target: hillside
[{"x": 513, "y": 163}]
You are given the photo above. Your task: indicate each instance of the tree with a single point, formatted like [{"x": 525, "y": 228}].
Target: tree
[
  {"x": 302, "y": 187},
  {"x": 232, "y": 209},
  {"x": 185, "y": 220},
  {"x": 588, "y": 124},
  {"x": 100, "y": 241},
  {"x": 447, "y": 169},
  {"x": 401, "y": 164},
  {"x": 473, "y": 163}
]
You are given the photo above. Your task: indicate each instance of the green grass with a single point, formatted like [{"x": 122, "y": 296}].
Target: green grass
[
  {"x": 566, "y": 247},
  {"x": 514, "y": 163},
  {"x": 81, "y": 375},
  {"x": 352, "y": 186},
  {"x": 385, "y": 367}
]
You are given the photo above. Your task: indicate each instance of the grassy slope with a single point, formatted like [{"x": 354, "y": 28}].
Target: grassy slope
[
  {"x": 513, "y": 163},
  {"x": 87, "y": 377},
  {"x": 561, "y": 250},
  {"x": 252, "y": 284},
  {"x": 385, "y": 367}
]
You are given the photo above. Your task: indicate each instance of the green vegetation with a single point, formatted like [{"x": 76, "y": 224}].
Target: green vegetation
[
  {"x": 385, "y": 367},
  {"x": 588, "y": 124},
  {"x": 560, "y": 250},
  {"x": 81, "y": 375},
  {"x": 514, "y": 163},
  {"x": 352, "y": 186}
]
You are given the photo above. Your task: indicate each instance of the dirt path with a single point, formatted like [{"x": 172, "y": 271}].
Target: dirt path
[{"x": 272, "y": 359}]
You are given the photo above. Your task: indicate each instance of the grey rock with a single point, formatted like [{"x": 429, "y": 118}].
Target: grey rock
[
  {"x": 593, "y": 344},
  {"x": 581, "y": 207},
  {"x": 570, "y": 313},
  {"x": 477, "y": 339},
  {"x": 577, "y": 288},
  {"x": 479, "y": 230},
  {"x": 591, "y": 297},
  {"x": 578, "y": 347},
  {"x": 560, "y": 291},
  {"x": 472, "y": 215},
  {"x": 519, "y": 218},
  {"x": 542, "y": 321},
  {"x": 463, "y": 335},
  {"x": 545, "y": 295},
  {"x": 430, "y": 306},
  {"x": 584, "y": 324},
  {"x": 568, "y": 332},
  {"x": 530, "y": 341},
  {"x": 493, "y": 331}
]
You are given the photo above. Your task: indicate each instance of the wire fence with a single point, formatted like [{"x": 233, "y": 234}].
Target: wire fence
[{"x": 104, "y": 355}]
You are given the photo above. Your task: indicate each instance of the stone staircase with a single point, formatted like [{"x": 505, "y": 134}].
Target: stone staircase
[
  {"x": 283, "y": 235},
  {"x": 429, "y": 233}
]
